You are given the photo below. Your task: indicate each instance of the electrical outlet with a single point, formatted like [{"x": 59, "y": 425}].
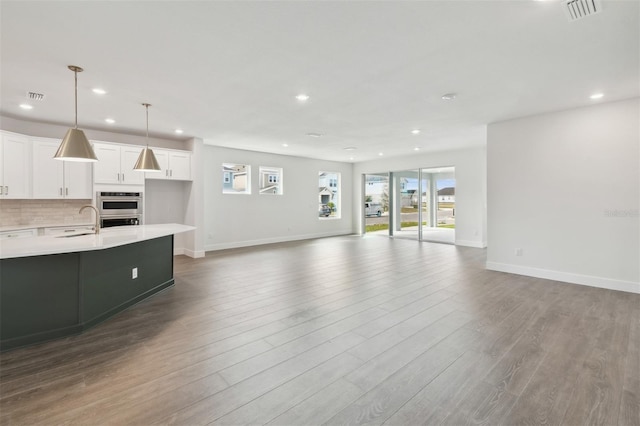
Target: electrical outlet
[
  {"x": 134, "y": 273},
  {"x": 518, "y": 252}
]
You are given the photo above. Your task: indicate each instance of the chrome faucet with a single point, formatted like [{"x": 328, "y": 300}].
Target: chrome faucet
[{"x": 97, "y": 226}]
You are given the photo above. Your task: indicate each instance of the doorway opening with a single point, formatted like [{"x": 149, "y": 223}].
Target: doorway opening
[{"x": 440, "y": 205}]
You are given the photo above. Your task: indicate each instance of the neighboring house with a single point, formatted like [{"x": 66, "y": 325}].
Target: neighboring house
[
  {"x": 269, "y": 180},
  {"x": 328, "y": 187},
  {"x": 234, "y": 178},
  {"x": 447, "y": 195},
  {"x": 328, "y": 180},
  {"x": 269, "y": 190},
  {"x": 326, "y": 195}
]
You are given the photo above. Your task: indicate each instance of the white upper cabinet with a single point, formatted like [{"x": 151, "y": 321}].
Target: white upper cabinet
[
  {"x": 175, "y": 165},
  {"x": 59, "y": 179},
  {"x": 15, "y": 167},
  {"x": 128, "y": 159},
  {"x": 115, "y": 164}
]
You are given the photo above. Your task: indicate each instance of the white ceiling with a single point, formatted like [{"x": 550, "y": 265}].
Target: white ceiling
[{"x": 228, "y": 72}]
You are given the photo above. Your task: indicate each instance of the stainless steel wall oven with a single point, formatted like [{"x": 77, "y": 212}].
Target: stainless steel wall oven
[{"x": 119, "y": 208}]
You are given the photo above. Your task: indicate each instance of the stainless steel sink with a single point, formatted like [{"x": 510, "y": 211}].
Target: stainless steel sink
[{"x": 75, "y": 235}]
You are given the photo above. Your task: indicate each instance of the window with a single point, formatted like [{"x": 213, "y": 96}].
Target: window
[
  {"x": 270, "y": 180},
  {"x": 236, "y": 179},
  {"x": 329, "y": 195}
]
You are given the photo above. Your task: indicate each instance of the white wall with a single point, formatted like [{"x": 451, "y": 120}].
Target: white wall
[
  {"x": 165, "y": 202},
  {"x": 564, "y": 187},
  {"x": 470, "y": 174},
  {"x": 237, "y": 220}
]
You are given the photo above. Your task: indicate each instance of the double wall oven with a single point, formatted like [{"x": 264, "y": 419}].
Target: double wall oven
[{"x": 119, "y": 208}]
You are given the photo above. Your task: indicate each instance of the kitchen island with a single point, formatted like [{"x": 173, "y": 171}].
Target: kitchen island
[{"x": 55, "y": 286}]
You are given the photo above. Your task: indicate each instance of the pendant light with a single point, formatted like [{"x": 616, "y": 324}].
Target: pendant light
[
  {"x": 75, "y": 146},
  {"x": 147, "y": 161}
]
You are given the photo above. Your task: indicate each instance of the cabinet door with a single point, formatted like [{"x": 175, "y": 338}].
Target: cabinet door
[
  {"x": 128, "y": 159},
  {"x": 162, "y": 157},
  {"x": 77, "y": 180},
  {"x": 16, "y": 167},
  {"x": 180, "y": 165},
  {"x": 107, "y": 169},
  {"x": 47, "y": 172}
]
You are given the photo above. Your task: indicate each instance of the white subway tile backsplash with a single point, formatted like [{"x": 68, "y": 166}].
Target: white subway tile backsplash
[{"x": 46, "y": 212}]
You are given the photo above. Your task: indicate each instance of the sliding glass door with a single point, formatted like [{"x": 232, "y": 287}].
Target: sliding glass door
[
  {"x": 439, "y": 202},
  {"x": 376, "y": 203},
  {"x": 416, "y": 204}
]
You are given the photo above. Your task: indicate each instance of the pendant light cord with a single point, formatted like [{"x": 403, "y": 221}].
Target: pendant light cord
[
  {"x": 75, "y": 73},
  {"x": 147, "y": 107}
]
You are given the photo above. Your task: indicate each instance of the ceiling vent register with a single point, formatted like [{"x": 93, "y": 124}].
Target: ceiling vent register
[
  {"x": 579, "y": 9},
  {"x": 35, "y": 96}
]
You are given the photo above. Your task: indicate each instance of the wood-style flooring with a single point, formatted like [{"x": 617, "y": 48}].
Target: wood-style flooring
[{"x": 345, "y": 330}]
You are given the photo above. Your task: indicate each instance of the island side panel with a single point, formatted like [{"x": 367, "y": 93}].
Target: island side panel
[
  {"x": 39, "y": 299},
  {"x": 106, "y": 282}
]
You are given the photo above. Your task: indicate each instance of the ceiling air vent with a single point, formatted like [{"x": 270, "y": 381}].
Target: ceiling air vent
[
  {"x": 35, "y": 96},
  {"x": 578, "y": 9}
]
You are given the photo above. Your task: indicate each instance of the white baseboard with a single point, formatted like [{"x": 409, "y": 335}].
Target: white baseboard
[
  {"x": 471, "y": 243},
  {"x": 249, "y": 243},
  {"x": 190, "y": 253},
  {"x": 588, "y": 280}
]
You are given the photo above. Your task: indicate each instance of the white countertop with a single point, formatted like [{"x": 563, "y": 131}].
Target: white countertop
[{"x": 107, "y": 238}]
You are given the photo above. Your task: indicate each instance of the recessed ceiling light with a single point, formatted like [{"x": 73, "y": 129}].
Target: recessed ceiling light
[
  {"x": 449, "y": 96},
  {"x": 350, "y": 148},
  {"x": 179, "y": 131},
  {"x": 110, "y": 120},
  {"x": 26, "y": 106},
  {"x": 99, "y": 91},
  {"x": 417, "y": 148},
  {"x": 302, "y": 97},
  {"x": 285, "y": 145},
  {"x": 314, "y": 135},
  {"x": 415, "y": 131},
  {"x": 352, "y": 158},
  {"x": 380, "y": 154},
  {"x": 597, "y": 95}
]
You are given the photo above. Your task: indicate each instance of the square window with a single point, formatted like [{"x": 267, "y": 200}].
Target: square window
[
  {"x": 236, "y": 179},
  {"x": 270, "y": 180}
]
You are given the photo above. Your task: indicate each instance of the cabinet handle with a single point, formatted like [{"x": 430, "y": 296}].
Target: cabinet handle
[
  {"x": 66, "y": 191},
  {"x": 171, "y": 173},
  {"x": 123, "y": 177},
  {"x": 60, "y": 191},
  {"x": 6, "y": 190},
  {"x": 166, "y": 172}
]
